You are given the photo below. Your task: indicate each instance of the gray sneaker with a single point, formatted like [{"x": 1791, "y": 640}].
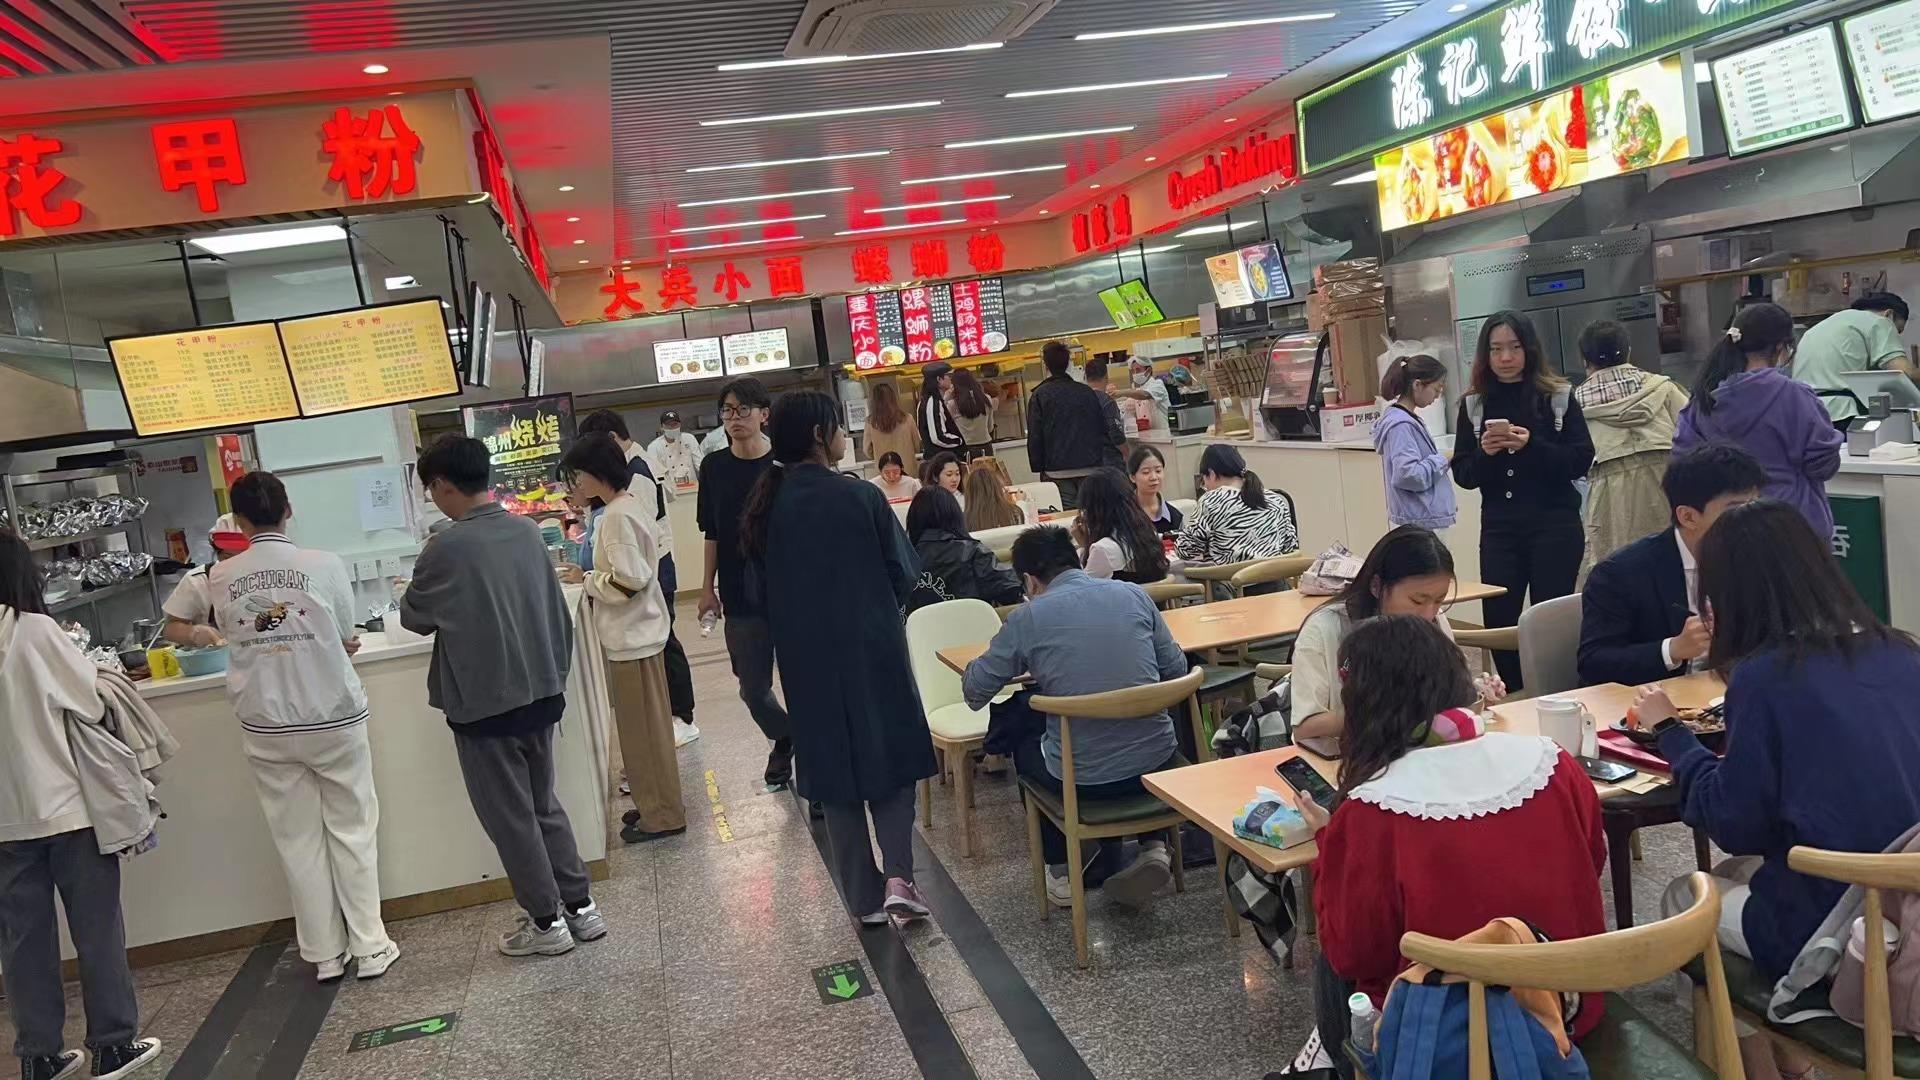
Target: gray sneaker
[
  {"x": 528, "y": 939},
  {"x": 586, "y": 924}
]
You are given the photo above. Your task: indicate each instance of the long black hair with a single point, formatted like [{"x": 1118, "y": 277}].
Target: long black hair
[
  {"x": 934, "y": 508},
  {"x": 969, "y": 397},
  {"x": 1757, "y": 329},
  {"x": 1407, "y": 371},
  {"x": 1409, "y": 551},
  {"x": 1109, "y": 509},
  {"x": 20, "y": 587},
  {"x": 1536, "y": 374},
  {"x": 1397, "y": 673},
  {"x": 1774, "y": 586},
  {"x": 1223, "y": 460},
  {"x": 931, "y": 469},
  {"x": 801, "y": 426}
]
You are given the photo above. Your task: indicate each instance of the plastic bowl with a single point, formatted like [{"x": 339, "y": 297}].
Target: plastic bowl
[{"x": 201, "y": 661}]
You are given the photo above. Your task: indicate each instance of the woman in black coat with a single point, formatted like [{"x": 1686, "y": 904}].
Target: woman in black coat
[
  {"x": 836, "y": 569},
  {"x": 953, "y": 565}
]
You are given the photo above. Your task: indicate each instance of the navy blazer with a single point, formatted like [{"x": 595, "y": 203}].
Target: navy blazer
[{"x": 1633, "y": 601}]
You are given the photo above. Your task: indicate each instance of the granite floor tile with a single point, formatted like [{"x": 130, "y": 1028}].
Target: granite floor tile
[
  {"x": 863, "y": 1044},
  {"x": 945, "y": 971},
  {"x": 745, "y": 989},
  {"x": 623, "y": 960},
  {"x": 989, "y": 1046},
  {"x": 562, "y": 1034}
]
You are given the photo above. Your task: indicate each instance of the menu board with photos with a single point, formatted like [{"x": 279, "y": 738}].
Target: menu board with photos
[
  {"x": 1884, "y": 45},
  {"x": 756, "y": 351},
  {"x": 194, "y": 380},
  {"x": 1786, "y": 91},
  {"x": 688, "y": 359},
  {"x": 926, "y": 323},
  {"x": 1251, "y": 274},
  {"x": 367, "y": 357}
]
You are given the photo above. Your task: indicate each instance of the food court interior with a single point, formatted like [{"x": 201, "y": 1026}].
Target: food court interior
[{"x": 621, "y": 206}]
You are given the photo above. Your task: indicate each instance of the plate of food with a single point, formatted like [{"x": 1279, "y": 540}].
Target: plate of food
[{"x": 1709, "y": 724}]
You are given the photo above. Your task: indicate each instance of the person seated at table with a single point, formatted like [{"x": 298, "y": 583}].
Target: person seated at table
[
  {"x": 1079, "y": 634},
  {"x": 943, "y": 470},
  {"x": 1408, "y": 572},
  {"x": 1440, "y": 839},
  {"x": 1115, "y": 537},
  {"x": 1148, "y": 471},
  {"x": 893, "y": 480},
  {"x": 1238, "y": 518},
  {"x": 1640, "y": 618},
  {"x": 953, "y": 565},
  {"x": 989, "y": 505},
  {"x": 1823, "y": 745}
]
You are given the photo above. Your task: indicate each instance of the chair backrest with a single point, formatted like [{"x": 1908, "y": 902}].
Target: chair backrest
[
  {"x": 1000, "y": 540},
  {"x": 1165, "y": 594},
  {"x": 941, "y": 626},
  {"x": 1221, "y": 572},
  {"x": 1185, "y": 506},
  {"x": 1128, "y": 704},
  {"x": 1873, "y": 873},
  {"x": 1550, "y": 646},
  {"x": 1611, "y": 961},
  {"x": 1287, "y": 568},
  {"x": 1044, "y": 495}
]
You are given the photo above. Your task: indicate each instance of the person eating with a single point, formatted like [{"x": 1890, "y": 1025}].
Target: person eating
[
  {"x": 953, "y": 565},
  {"x": 943, "y": 470},
  {"x": 893, "y": 480},
  {"x": 1116, "y": 540},
  {"x": 1148, "y": 471}
]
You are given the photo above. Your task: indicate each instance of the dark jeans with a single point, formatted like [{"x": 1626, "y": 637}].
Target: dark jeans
[
  {"x": 1069, "y": 490},
  {"x": 1031, "y": 763},
  {"x": 1330, "y": 1013},
  {"x": 863, "y": 886},
  {"x": 510, "y": 783},
  {"x": 750, "y": 648},
  {"x": 89, "y": 886},
  {"x": 1537, "y": 556},
  {"x": 679, "y": 674}
]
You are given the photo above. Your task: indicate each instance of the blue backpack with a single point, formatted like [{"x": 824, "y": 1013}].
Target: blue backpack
[{"x": 1422, "y": 1035}]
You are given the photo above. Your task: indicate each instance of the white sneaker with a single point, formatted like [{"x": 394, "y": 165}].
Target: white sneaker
[
  {"x": 1137, "y": 885},
  {"x": 876, "y": 918},
  {"x": 376, "y": 965},
  {"x": 527, "y": 939},
  {"x": 1059, "y": 889},
  {"x": 329, "y": 970},
  {"x": 684, "y": 733}
]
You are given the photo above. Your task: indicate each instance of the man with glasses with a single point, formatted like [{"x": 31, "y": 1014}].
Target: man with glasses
[{"x": 727, "y": 480}]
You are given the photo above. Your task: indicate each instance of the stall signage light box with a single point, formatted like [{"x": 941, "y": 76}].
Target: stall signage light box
[
  {"x": 927, "y": 323},
  {"x": 756, "y": 351},
  {"x": 687, "y": 360},
  {"x": 1884, "y": 45},
  {"x": 1612, "y": 124},
  {"x": 1513, "y": 53},
  {"x": 526, "y": 438},
  {"x": 1249, "y": 275},
  {"x": 1789, "y": 90}
]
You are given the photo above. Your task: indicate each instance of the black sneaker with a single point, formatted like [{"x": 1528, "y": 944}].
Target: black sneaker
[
  {"x": 58, "y": 1067},
  {"x": 114, "y": 1062},
  {"x": 634, "y": 834},
  {"x": 631, "y": 817}
]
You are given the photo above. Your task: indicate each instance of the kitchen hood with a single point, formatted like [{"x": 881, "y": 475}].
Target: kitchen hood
[{"x": 1563, "y": 215}]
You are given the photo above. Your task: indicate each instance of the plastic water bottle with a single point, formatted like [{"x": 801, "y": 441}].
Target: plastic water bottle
[
  {"x": 1364, "y": 1017},
  {"x": 707, "y": 620}
]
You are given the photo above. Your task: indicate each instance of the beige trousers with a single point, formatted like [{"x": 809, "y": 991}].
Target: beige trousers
[{"x": 643, "y": 719}]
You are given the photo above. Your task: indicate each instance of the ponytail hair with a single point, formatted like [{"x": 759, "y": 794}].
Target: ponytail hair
[
  {"x": 803, "y": 422},
  {"x": 1409, "y": 368},
  {"x": 1758, "y": 329},
  {"x": 1223, "y": 460},
  {"x": 1605, "y": 344}
]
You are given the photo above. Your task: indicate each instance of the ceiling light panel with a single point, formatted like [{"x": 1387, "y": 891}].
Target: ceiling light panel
[
  {"x": 816, "y": 114},
  {"x": 791, "y": 161},
  {"x": 1043, "y": 137},
  {"x": 815, "y": 61},
  {"x": 1213, "y": 230},
  {"x": 1189, "y": 28},
  {"x": 763, "y": 198},
  {"x": 942, "y": 202},
  {"x": 982, "y": 175},
  {"x": 748, "y": 224},
  {"x": 1090, "y": 88},
  {"x": 235, "y": 243}
]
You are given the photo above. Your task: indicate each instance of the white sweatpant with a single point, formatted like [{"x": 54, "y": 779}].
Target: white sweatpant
[{"x": 317, "y": 791}]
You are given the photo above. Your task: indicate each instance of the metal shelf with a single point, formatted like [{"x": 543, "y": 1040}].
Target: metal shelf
[
  {"x": 93, "y": 596},
  {"x": 61, "y": 476},
  {"x": 96, "y": 534}
]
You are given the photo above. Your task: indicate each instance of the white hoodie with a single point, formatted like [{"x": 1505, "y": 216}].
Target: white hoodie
[
  {"x": 626, "y": 557},
  {"x": 42, "y": 678}
]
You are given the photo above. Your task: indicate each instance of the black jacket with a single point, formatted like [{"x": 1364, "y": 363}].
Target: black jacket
[
  {"x": 1634, "y": 600},
  {"x": 1066, "y": 426},
  {"x": 1115, "y": 454},
  {"x": 1538, "y": 479},
  {"x": 937, "y": 430},
  {"x": 961, "y": 568}
]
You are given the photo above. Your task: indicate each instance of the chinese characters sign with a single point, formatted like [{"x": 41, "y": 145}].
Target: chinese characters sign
[
  {"x": 928, "y": 323},
  {"x": 367, "y": 357},
  {"x": 1497, "y": 60},
  {"x": 525, "y": 440},
  {"x": 216, "y": 377}
]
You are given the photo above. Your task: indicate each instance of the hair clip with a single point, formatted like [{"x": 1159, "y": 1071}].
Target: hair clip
[{"x": 1733, "y": 333}]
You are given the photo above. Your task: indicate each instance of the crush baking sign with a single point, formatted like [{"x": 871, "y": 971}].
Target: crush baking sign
[{"x": 1513, "y": 53}]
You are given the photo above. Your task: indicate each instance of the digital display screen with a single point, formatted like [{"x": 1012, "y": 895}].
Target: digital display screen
[
  {"x": 363, "y": 358},
  {"x": 204, "y": 379},
  {"x": 525, "y": 439},
  {"x": 1786, "y": 91},
  {"x": 1550, "y": 284},
  {"x": 927, "y": 323},
  {"x": 756, "y": 351},
  {"x": 688, "y": 359},
  {"x": 1884, "y": 45},
  {"x": 1249, "y": 275}
]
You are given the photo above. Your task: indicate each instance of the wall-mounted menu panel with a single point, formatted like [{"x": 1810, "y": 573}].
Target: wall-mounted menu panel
[
  {"x": 368, "y": 357},
  {"x": 211, "y": 378}
]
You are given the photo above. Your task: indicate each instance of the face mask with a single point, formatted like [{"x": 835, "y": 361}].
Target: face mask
[{"x": 1140, "y": 378}]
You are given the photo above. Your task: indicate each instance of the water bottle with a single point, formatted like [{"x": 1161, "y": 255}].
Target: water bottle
[
  {"x": 707, "y": 619},
  {"x": 1364, "y": 1017}
]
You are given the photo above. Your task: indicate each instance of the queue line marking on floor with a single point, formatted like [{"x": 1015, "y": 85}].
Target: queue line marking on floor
[{"x": 719, "y": 811}]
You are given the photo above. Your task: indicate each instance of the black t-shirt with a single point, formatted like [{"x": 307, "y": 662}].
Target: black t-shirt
[
  {"x": 525, "y": 720},
  {"x": 726, "y": 482}
]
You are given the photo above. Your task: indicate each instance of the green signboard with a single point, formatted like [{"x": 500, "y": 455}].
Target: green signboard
[
  {"x": 843, "y": 981},
  {"x": 1516, "y": 52},
  {"x": 1117, "y": 309},
  {"x": 1860, "y": 543},
  {"x": 397, "y": 1033}
]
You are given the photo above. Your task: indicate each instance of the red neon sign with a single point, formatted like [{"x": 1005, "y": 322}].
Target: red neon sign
[
  {"x": 199, "y": 153},
  {"x": 916, "y": 315},
  {"x": 1103, "y": 224},
  {"x": 366, "y": 160},
  {"x": 626, "y": 295},
  {"x": 27, "y": 187},
  {"x": 1257, "y": 158},
  {"x": 866, "y": 331},
  {"x": 786, "y": 276}
]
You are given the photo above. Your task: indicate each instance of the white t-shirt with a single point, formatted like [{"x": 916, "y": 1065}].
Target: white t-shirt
[
  {"x": 1106, "y": 558},
  {"x": 190, "y": 601},
  {"x": 1316, "y": 661},
  {"x": 287, "y": 613}
]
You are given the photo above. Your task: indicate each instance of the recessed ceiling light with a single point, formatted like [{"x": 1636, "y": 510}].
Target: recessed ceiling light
[
  {"x": 1157, "y": 250},
  {"x": 566, "y": 187},
  {"x": 769, "y": 197},
  {"x": 983, "y": 175},
  {"x": 584, "y": 262},
  {"x": 266, "y": 241},
  {"x": 1046, "y": 211},
  {"x": 815, "y": 114},
  {"x": 375, "y": 69},
  {"x": 942, "y": 202},
  {"x": 896, "y": 228},
  {"x": 403, "y": 282},
  {"x": 579, "y": 241},
  {"x": 1041, "y": 137},
  {"x": 748, "y": 224},
  {"x": 626, "y": 262},
  {"x": 1093, "y": 87},
  {"x": 804, "y": 61},
  {"x": 1210, "y": 230},
  {"x": 573, "y": 219},
  {"x": 1151, "y": 157},
  {"x": 733, "y": 244},
  {"x": 789, "y": 161},
  {"x": 1187, "y": 28},
  {"x": 1357, "y": 178},
  {"x": 1093, "y": 187},
  {"x": 1233, "y": 120}
]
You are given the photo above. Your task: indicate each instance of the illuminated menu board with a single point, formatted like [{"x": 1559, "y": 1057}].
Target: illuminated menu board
[
  {"x": 756, "y": 351},
  {"x": 1884, "y": 45},
  {"x": 196, "y": 380},
  {"x": 367, "y": 357},
  {"x": 1785, "y": 91},
  {"x": 686, "y": 360},
  {"x": 927, "y": 323}
]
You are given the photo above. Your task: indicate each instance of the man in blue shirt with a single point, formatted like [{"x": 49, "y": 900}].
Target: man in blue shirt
[{"x": 1085, "y": 635}]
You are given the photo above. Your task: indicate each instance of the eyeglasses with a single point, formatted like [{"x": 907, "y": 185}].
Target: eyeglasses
[{"x": 737, "y": 412}]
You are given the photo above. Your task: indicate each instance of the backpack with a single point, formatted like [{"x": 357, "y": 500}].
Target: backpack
[{"x": 1477, "y": 409}]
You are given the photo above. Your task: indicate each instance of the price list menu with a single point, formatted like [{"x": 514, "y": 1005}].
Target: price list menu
[
  {"x": 927, "y": 323},
  {"x": 1885, "y": 47},
  {"x": 193, "y": 380},
  {"x": 1785, "y": 91},
  {"x": 369, "y": 357}
]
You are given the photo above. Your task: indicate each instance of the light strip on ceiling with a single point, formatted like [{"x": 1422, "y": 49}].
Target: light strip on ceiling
[
  {"x": 1093, "y": 87},
  {"x": 815, "y": 114},
  {"x": 1367, "y": 177},
  {"x": 983, "y": 175},
  {"x": 942, "y": 202},
  {"x": 732, "y": 244},
  {"x": 808, "y": 61},
  {"x": 763, "y": 198},
  {"x": 748, "y": 224},
  {"x": 789, "y": 161},
  {"x": 1211, "y": 230},
  {"x": 896, "y": 228},
  {"x": 267, "y": 241},
  {"x": 1187, "y": 28},
  {"x": 1153, "y": 250},
  {"x": 1040, "y": 138}
]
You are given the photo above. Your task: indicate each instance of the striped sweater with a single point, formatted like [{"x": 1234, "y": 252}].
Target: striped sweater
[{"x": 1224, "y": 529}]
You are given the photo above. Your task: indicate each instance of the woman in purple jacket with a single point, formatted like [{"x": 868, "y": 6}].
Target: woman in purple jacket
[
  {"x": 1419, "y": 487},
  {"x": 1745, "y": 397}
]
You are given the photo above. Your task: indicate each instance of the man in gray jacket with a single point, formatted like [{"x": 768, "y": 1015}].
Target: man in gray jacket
[{"x": 502, "y": 646}]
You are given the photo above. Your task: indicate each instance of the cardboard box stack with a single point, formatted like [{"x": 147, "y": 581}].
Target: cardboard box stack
[{"x": 1349, "y": 301}]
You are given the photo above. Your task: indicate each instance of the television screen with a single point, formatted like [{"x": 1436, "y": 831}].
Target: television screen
[
  {"x": 927, "y": 323},
  {"x": 1783, "y": 92},
  {"x": 1117, "y": 309},
  {"x": 1249, "y": 275},
  {"x": 756, "y": 351},
  {"x": 1140, "y": 303},
  {"x": 1886, "y": 59},
  {"x": 204, "y": 379},
  {"x": 687, "y": 359},
  {"x": 363, "y": 358}
]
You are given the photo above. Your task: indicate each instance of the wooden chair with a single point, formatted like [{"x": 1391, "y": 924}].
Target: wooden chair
[
  {"x": 1220, "y": 574},
  {"x": 1096, "y": 819},
  {"x": 1841, "y": 1048},
  {"x": 1170, "y": 594},
  {"x": 1626, "y": 1044},
  {"x": 1498, "y": 639},
  {"x": 1286, "y": 570}
]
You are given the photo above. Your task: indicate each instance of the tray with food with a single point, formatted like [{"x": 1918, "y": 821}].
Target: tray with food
[{"x": 1709, "y": 724}]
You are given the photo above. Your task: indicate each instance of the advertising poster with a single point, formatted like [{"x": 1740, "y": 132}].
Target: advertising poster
[
  {"x": 687, "y": 359},
  {"x": 525, "y": 440},
  {"x": 1249, "y": 275}
]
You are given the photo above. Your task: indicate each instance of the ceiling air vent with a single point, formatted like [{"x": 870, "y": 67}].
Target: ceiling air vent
[{"x": 857, "y": 27}]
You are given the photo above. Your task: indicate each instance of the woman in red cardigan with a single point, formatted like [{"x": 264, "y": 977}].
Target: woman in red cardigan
[{"x": 1441, "y": 839}]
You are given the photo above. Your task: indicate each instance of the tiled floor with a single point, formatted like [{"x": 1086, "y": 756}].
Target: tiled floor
[{"x": 707, "y": 972}]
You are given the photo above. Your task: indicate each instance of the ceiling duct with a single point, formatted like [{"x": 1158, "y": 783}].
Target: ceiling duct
[{"x": 859, "y": 27}]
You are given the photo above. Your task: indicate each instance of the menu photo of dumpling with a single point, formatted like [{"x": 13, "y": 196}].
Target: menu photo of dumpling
[
  {"x": 1408, "y": 180},
  {"x": 1484, "y": 170}
]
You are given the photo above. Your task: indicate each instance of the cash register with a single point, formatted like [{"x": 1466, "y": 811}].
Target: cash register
[{"x": 1889, "y": 398}]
